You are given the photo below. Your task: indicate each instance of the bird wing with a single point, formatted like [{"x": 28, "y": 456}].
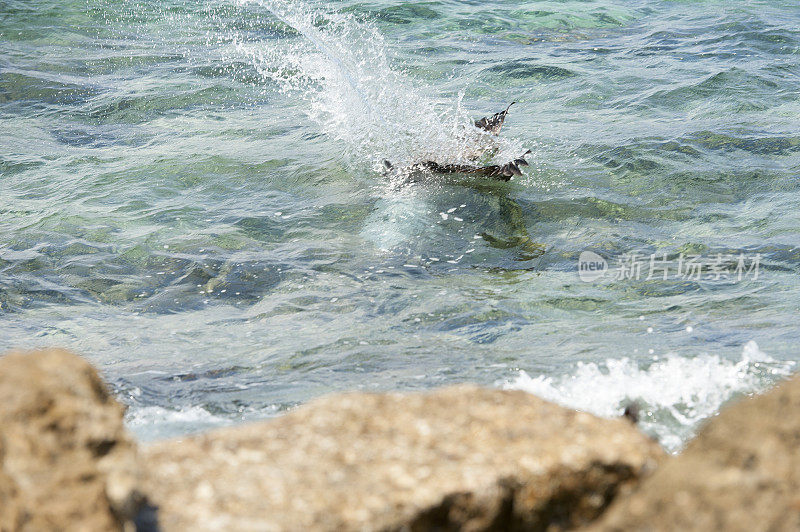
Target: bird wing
[{"x": 493, "y": 123}]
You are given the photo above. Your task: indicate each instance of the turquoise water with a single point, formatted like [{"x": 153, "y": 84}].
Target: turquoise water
[{"x": 190, "y": 196}]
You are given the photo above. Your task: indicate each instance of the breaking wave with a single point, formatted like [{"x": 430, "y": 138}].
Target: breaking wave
[{"x": 675, "y": 393}]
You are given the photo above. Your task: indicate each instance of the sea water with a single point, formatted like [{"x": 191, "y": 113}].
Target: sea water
[{"x": 192, "y": 197}]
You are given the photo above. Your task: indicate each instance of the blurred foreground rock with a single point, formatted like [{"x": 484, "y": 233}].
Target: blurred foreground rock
[
  {"x": 741, "y": 472},
  {"x": 461, "y": 458},
  {"x": 458, "y": 458},
  {"x": 66, "y": 461}
]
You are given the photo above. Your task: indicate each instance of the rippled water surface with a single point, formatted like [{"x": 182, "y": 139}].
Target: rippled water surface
[{"x": 191, "y": 197}]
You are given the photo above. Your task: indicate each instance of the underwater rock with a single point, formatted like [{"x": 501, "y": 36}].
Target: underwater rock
[
  {"x": 741, "y": 472},
  {"x": 456, "y": 458},
  {"x": 66, "y": 461}
]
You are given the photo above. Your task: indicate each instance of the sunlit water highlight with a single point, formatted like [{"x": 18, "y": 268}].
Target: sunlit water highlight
[{"x": 191, "y": 197}]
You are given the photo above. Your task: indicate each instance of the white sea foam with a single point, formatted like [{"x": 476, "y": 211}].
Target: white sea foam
[
  {"x": 150, "y": 423},
  {"x": 676, "y": 393}
]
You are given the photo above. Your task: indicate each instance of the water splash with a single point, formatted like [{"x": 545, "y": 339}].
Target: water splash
[
  {"x": 343, "y": 68},
  {"x": 151, "y": 423},
  {"x": 155, "y": 422},
  {"x": 676, "y": 393}
]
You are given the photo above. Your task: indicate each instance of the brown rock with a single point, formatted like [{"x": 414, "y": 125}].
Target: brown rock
[
  {"x": 458, "y": 458},
  {"x": 741, "y": 472},
  {"x": 66, "y": 462}
]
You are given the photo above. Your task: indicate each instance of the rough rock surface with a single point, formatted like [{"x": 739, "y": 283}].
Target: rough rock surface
[
  {"x": 458, "y": 458},
  {"x": 66, "y": 462},
  {"x": 741, "y": 472}
]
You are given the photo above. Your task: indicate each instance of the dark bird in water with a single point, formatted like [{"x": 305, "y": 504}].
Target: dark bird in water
[{"x": 501, "y": 172}]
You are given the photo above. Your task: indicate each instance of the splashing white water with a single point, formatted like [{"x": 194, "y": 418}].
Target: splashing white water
[
  {"x": 155, "y": 422},
  {"x": 342, "y": 67},
  {"x": 150, "y": 423},
  {"x": 346, "y": 79},
  {"x": 676, "y": 393}
]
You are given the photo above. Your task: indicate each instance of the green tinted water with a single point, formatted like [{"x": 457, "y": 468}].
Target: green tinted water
[{"x": 189, "y": 197}]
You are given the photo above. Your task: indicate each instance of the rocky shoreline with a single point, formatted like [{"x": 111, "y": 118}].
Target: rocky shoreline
[{"x": 457, "y": 458}]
